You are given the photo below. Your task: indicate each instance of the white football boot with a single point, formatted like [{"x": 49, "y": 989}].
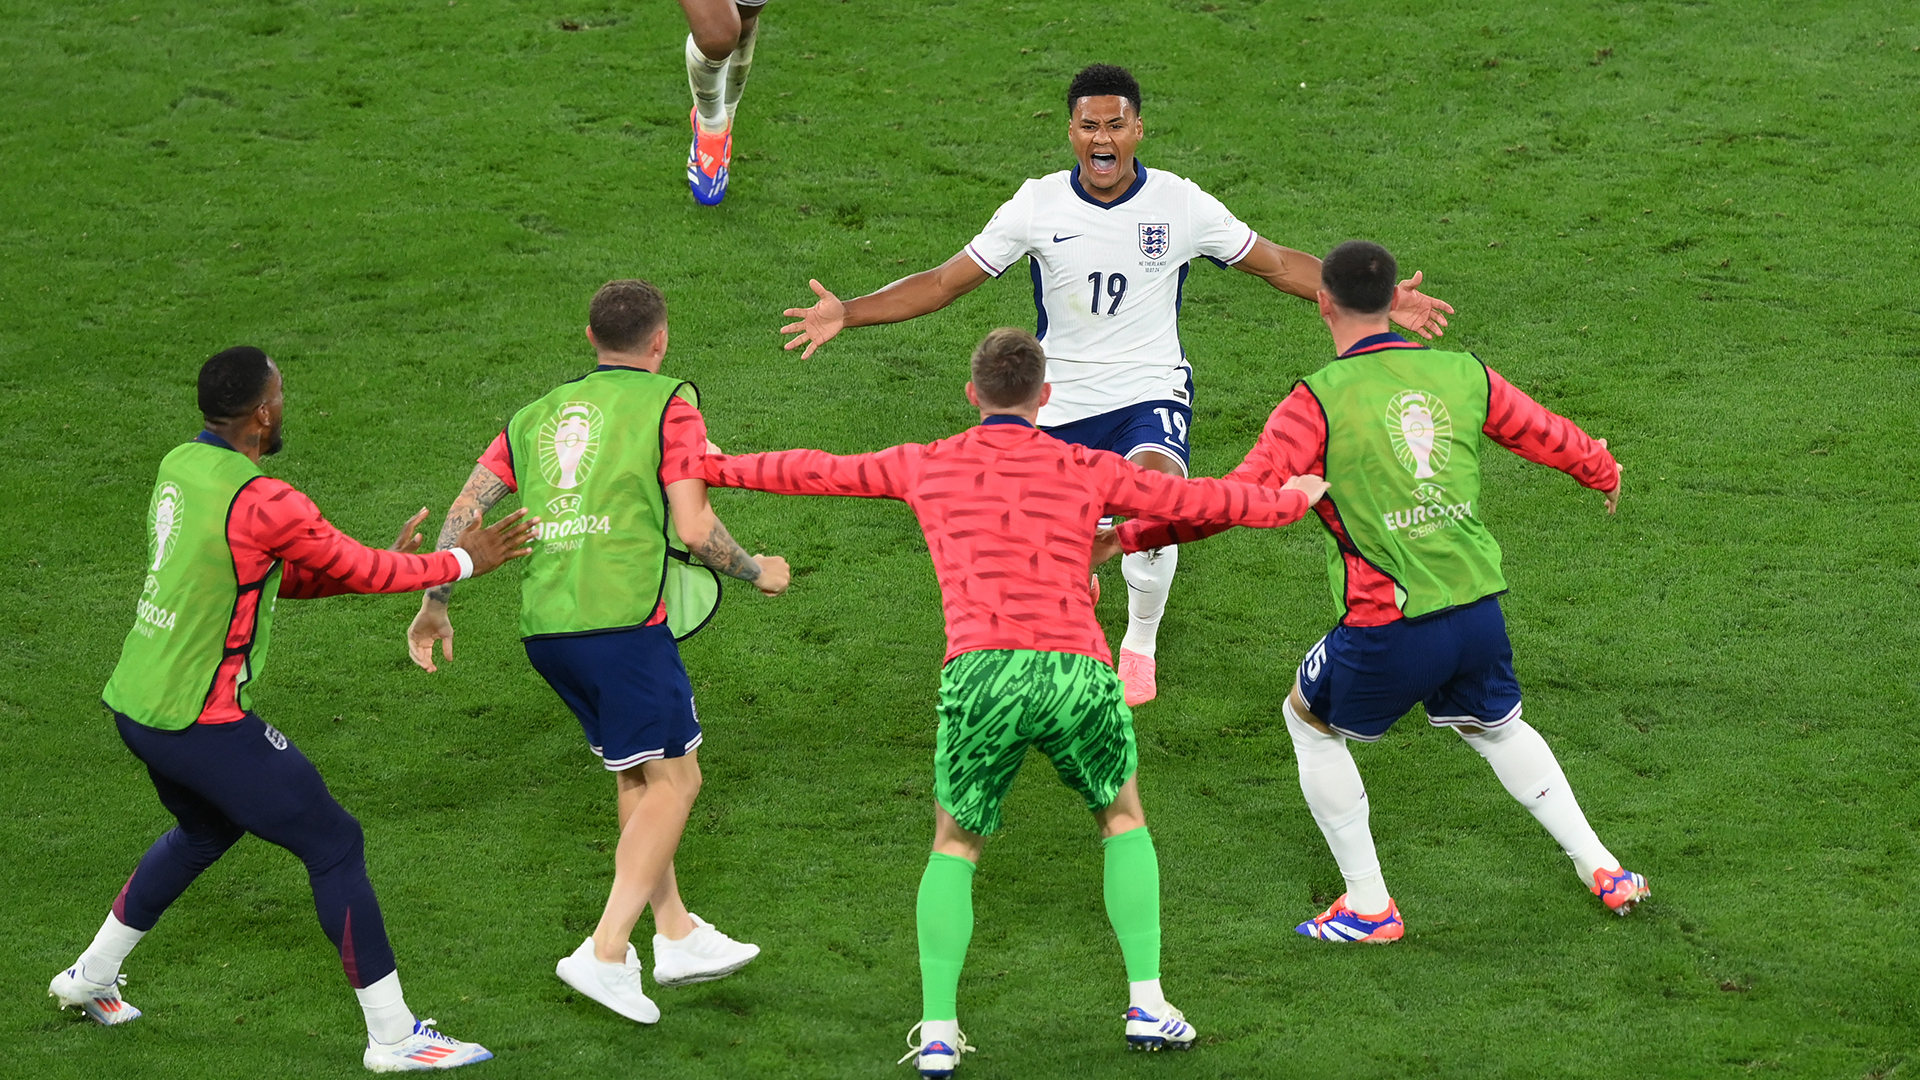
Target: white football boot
[
  {"x": 702, "y": 956},
  {"x": 101, "y": 1001},
  {"x": 1167, "y": 1031},
  {"x": 422, "y": 1050},
  {"x": 933, "y": 1055},
  {"x": 617, "y": 986}
]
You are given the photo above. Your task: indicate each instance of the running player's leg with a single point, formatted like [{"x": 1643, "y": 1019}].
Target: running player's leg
[
  {"x": 168, "y": 867},
  {"x": 978, "y": 748},
  {"x": 1088, "y": 735},
  {"x": 1483, "y": 705},
  {"x": 1149, "y": 576},
  {"x": 719, "y": 50},
  {"x": 1354, "y": 684}
]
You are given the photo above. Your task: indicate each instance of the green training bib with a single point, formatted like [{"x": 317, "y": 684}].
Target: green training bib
[{"x": 1403, "y": 466}]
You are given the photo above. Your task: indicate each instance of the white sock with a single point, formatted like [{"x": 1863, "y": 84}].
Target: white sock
[
  {"x": 1530, "y": 773},
  {"x": 388, "y": 1018},
  {"x": 1331, "y": 782},
  {"x": 946, "y": 1031},
  {"x": 708, "y": 81},
  {"x": 739, "y": 65},
  {"x": 1146, "y": 994},
  {"x": 101, "y": 962},
  {"x": 1149, "y": 577}
]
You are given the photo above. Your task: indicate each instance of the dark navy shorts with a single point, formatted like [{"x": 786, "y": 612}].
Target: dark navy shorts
[
  {"x": 1150, "y": 425},
  {"x": 1459, "y": 664},
  {"x": 629, "y": 689}
]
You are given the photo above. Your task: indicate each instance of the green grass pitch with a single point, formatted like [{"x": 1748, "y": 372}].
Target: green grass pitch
[{"x": 1688, "y": 225}]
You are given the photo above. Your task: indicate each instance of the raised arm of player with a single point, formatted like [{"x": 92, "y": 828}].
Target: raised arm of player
[
  {"x": 908, "y": 298},
  {"x": 1139, "y": 492},
  {"x": 705, "y": 536},
  {"x": 1298, "y": 273}
]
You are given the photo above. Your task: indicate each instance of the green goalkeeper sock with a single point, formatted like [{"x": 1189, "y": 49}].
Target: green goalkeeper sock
[
  {"x": 945, "y": 916},
  {"x": 1133, "y": 901}
]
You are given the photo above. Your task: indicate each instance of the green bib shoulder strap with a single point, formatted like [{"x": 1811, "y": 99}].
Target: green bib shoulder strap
[{"x": 1403, "y": 469}]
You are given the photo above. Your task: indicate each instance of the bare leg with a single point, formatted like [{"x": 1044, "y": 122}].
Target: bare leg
[
  {"x": 661, "y": 794},
  {"x": 715, "y": 25}
]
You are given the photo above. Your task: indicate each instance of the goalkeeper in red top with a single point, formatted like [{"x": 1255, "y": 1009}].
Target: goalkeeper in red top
[
  {"x": 1009, "y": 514},
  {"x": 1394, "y": 427},
  {"x": 223, "y": 542}
]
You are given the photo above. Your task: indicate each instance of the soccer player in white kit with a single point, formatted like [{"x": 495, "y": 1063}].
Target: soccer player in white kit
[{"x": 1108, "y": 243}]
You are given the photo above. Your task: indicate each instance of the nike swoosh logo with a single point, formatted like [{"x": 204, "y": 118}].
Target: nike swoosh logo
[{"x": 1058, "y": 239}]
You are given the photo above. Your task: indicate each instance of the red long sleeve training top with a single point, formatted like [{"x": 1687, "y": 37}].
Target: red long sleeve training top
[
  {"x": 1295, "y": 442},
  {"x": 1009, "y": 514},
  {"x": 272, "y": 522}
]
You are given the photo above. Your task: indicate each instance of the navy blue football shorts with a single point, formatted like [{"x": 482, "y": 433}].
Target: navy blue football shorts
[
  {"x": 1150, "y": 425},
  {"x": 629, "y": 689},
  {"x": 1359, "y": 680}
]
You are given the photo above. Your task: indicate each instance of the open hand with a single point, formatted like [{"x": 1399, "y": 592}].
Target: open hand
[
  {"x": 774, "y": 575},
  {"x": 491, "y": 546},
  {"x": 1313, "y": 487},
  {"x": 1613, "y": 496},
  {"x": 818, "y": 323},
  {"x": 408, "y": 541},
  {"x": 1106, "y": 544},
  {"x": 1417, "y": 311},
  {"x": 429, "y": 626}
]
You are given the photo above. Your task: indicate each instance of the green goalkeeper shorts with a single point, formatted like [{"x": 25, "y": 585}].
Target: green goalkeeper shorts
[{"x": 997, "y": 702}]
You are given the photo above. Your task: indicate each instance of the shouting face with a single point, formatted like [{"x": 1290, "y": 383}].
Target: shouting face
[{"x": 1104, "y": 132}]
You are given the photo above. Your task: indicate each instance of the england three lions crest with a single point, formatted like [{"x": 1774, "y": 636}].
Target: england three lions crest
[{"x": 1154, "y": 239}]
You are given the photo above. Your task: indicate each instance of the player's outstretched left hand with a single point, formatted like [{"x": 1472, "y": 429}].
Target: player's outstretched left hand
[
  {"x": 1613, "y": 496},
  {"x": 408, "y": 541},
  {"x": 1106, "y": 544},
  {"x": 1417, "y": 311},
  {"x": 818, "y": 324}
]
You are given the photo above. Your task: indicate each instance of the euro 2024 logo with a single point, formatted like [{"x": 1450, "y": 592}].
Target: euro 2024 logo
[
  {"x": 1422, "y": 432},
  {"x": 163, "y": 521},
  {"x": 569, "y": 443}
]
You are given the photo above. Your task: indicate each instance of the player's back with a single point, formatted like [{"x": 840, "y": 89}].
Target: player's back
[{"x": 1009, "y": 514}]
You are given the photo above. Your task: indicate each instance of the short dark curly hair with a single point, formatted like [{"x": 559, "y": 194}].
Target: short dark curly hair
[
  {"x": 1104, "y": 80},
  {"x": 1360, "y": 274},
  {"x": 624, "y": 314},
  {"x": 232, "y": 382}
]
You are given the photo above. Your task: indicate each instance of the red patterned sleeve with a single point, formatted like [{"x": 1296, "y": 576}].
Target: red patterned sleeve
[
  {"x": 1527, "y": 428},
  {"x": 683, "y": 443},
  {"x": 1140, "y": 492},
  {"x": 499, "y": 461},
  {"x": 1293, "y": 442},
  {"x": 887, "y": 474},
  {"x": 320, "y": 560}
]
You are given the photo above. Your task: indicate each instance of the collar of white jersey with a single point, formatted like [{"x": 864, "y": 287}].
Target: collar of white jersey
[{"x": 1139, "y": 181}]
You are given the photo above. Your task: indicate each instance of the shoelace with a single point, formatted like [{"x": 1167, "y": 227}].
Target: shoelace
[
  {"x": 425, "y": 1028},
  {"x": 960, "y": 1044}
]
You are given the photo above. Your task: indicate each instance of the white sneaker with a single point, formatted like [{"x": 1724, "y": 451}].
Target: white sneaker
[
  {"x": 617, "y": 986},
  {"x": 101, "y": 1001},
  {"x": 1167, "y": 1031},
  {"x": 936, "y": 1058},
  {"x": 422, "y": 1050},
  {"x": 702, "y": 956}
]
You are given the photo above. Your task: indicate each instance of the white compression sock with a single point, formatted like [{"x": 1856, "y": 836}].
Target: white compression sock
[
  {"x": 708, "y": 81},
  {"x": 101, "y": 962},
  {"x": 1146, "y": 994},
  {"x": 1528, "y": 770},
  {"x": 388, "y": 1018},
  {"x": 739, "y": 65},
  {"x": 1331, "y": 782},
  {"x": 1149, "y": 577}
]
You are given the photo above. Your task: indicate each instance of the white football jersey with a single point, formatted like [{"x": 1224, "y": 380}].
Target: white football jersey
[{"x": 1107, "y": 280}]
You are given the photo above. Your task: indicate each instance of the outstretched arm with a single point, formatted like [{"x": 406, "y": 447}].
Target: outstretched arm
[
  {"x": 1298, "y": 273},
  {"x": 706, "y": 537},
  {"x": 482, "y": 490},
  {"x": 1544, "y": 437},
  {"x": 908, "y": 298}
]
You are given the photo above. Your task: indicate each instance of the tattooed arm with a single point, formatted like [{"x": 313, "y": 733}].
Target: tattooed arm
[
  {"x": 483, "y": 489},
  {"x": 700, "y": 529}
]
